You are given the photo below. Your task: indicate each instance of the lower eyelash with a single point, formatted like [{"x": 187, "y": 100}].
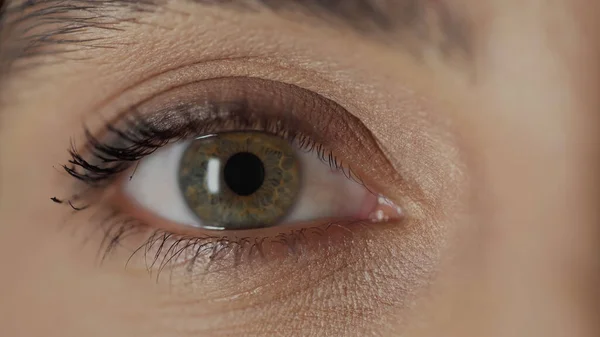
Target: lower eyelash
[{"x": 161, "y": 250}]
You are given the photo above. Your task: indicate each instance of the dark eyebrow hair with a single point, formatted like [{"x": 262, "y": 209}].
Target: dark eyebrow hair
[{"x": 30, "y": 28}]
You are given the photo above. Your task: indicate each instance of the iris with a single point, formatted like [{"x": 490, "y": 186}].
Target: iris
[{"x": 239, "y": 180}]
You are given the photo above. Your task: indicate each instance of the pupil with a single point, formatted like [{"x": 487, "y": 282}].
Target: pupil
[{"x": 244, "y": 173}]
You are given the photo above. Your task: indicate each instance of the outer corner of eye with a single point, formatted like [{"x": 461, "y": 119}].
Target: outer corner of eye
[{"x": 247, "y": 180}]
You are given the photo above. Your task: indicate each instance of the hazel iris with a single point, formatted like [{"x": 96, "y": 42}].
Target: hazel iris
[{"x": 239, "y": 180}]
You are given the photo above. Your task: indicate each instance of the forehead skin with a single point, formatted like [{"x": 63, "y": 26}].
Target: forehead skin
[
  {"x": 31, "y": 29},
  {"x": 518, "y": 81}
]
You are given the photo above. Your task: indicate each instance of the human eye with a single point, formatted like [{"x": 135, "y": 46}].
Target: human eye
[
  {"x": 123, "y": 119},
  {"x": 227, "y": 170}
]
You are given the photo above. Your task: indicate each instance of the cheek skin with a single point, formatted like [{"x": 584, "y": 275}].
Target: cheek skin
[{"x": 530, "y": 120}]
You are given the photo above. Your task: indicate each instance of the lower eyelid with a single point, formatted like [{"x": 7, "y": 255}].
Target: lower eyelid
[
  {"x": 157, "y": 251},
  {"x": 166, "y": 249},
  {"x": 193, "y": 251}
]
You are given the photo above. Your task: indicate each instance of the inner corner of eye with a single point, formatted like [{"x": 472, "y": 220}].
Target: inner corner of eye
[{"x": 248, "y": 180}]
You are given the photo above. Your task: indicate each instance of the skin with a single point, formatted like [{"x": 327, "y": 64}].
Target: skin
[{"x": 496, "y": 141}]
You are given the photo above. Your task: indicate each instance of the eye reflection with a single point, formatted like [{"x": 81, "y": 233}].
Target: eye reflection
[{"x": 239, "y": 180}]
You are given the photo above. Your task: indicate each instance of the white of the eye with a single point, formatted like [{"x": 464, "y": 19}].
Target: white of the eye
[
  {"x": 155, "y": 185},
  {"x": 324, "y": 193}
]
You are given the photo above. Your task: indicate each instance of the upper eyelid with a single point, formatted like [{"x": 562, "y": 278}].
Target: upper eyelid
[
  {"x": 364, "y": 145},
  {"x": 325, "y": 108},
  {"x": 171, "y": 112},
  {"x": 180, "y": 75}
]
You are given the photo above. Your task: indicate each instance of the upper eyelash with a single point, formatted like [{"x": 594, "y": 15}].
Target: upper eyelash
[{"x": 141, "y": 136}]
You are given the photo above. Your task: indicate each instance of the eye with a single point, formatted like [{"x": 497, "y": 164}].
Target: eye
[
  {"x": 244, "y": 180},
  {"x": 258, "y": 161}
]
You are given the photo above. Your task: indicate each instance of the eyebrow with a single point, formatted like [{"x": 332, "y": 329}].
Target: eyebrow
[{"x": 31, "y": 28}]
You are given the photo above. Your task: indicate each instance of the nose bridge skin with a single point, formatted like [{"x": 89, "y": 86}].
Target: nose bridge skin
[{"x": 531, "y": 120}]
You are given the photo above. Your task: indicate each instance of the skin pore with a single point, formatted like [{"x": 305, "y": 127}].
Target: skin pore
[{"x": 484, "y": 112}]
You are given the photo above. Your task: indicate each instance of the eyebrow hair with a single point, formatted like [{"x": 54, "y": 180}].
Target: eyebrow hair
[{"x": 31, "y": 28}]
